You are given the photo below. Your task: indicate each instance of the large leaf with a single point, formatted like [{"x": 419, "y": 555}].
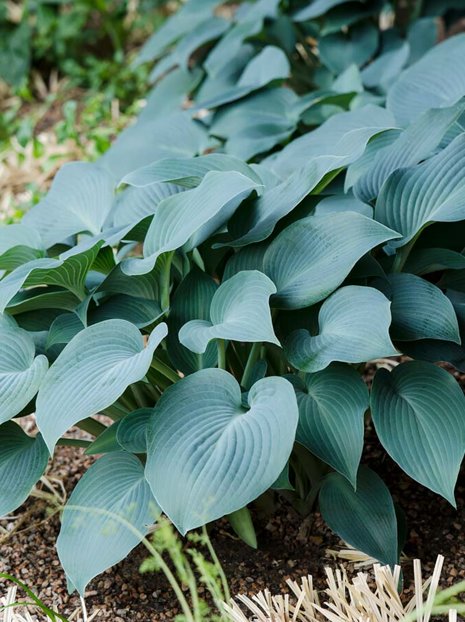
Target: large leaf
[
  {"x": 131, "y": 433},
  {"x": 430, "y": 192},
  {"x": 174, "y": 135},
  {"x": 134, "y": 204},
  {"x": 19, "y": 235},
  {"x": 345, "y": 134},
  {"x": 91, "y": 373},
  {"x": 192, "y": 216},
  {"x": 437, "y": 80},
  {"x": 268, "y": 65},
  {"x": 420, "y": 310},
  {"x": 356, "y": 46},
  {"x": 184, "y": 20},
  {"x": 23, "y": 460},
  {"x": 311, "y": 257},
  {"x": 208, "y": 455},
  {"x": 21, "y": 373},
  {"x": 109, "y": 511},
  {"x": 79, "y": 200},
  {"x": 353, "y": 328},
  {"x": 239, "y": 311},
  {"x": 419, "y": 414},
  {"x": 332, "y": 404},
  {"x": 187, "y": 172},
  {"x": 414, "y": 144},
  {"x": 68, "y": 271},
  {"x": 364, "y": 518},
  {"x": 191, "y": 300}
]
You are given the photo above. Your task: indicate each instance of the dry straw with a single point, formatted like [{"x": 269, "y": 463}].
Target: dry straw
[{"x": 364, "y": 598}]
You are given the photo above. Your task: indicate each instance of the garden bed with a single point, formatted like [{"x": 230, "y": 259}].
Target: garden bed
[{"x": 288, "y": 548}]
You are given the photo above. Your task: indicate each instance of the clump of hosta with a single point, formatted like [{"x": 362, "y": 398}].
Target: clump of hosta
[{"x": 288, "y": 207}]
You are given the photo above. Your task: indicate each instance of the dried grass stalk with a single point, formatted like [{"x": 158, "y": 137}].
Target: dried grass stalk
[{"x": 364, "y": 598}]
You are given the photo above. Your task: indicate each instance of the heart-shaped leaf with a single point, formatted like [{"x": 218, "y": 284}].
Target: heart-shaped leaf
[
  {"x": 79, "y": 200},
  {"x": 353, "y": 328},
  {"x": 91, "y": 373},
  {"x": 239, "y": 311},
  {"x": 20, "y": 373},
  {"x": 109, "y": 512},
  {"x": 208, "y": 455},
  {"x": 332, "y": 404},
  {"x": 23, "y": 460},
  {"x": 194, "y": 214},
  {"x": 419, "y": 415},
  {"x": 365, "y": 518},
  {"x": 311, "y": 257}
]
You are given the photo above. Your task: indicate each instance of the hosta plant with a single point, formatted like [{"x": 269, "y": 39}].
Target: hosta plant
[{"x": 289, "y": 206}]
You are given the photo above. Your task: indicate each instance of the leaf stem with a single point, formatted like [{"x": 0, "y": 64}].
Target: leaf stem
[
  {"x": 92, "y": 426},
  {"x": 165, "y": 282},
  {"x": 165, "y": 370},
  {"x": 252, "y": 359},
  {"x": 73, "y": 442},
  {"x": 403, "y": 253},
  {"x": 221, "y": 353}
]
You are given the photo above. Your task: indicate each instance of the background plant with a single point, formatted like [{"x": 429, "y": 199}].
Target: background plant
[{"x": 287, "y": 208}]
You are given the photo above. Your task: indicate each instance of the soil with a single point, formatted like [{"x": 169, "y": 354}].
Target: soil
[{"x": 288, "y": 547}]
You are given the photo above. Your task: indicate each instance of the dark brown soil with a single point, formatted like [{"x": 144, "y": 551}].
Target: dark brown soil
[{"x": 288, "y": 548}]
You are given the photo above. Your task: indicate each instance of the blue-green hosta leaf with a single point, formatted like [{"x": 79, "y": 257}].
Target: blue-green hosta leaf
[
  {"x": 205, "y": 449},
  {"x": 132, "y": 430},
  {"x": 187, "y": 172},
  {"x": 268, "y": 65},
  {"x": 317, "y": 8},
  {"x": 208, "y": 30},
  {"x": 170, "y": 93},
  {"x": 427, "y": 260},
  {"x": 437, "y": 80},
  {"x": 345, "y": 135},
  {"x": 91, "y": 373},
  {"x": 19, "y": 235},
  {"x": 343, "y": 203},
  {"x": 247, "y": 258},
  {"x": 140, "y": 286},
  {"x": 109, "y": 511},
  {"x": 181, "y": 23},
  {"x": 190, "y": 217},
  {"x": 62, "y": 330},
  {"x": 239, "y": 311},
  {"x": 430, "y": 192},
  {"x": 191, "y": 300},
  {"x": 249, "y": 21},
  {"x": 68, "y": 271},
  {"x": 311, "y": 257},
  {"x": 332, "y": 404},
  {"x": 356, "y": 46},
  {"x": 414, "y": 144},
  {"x": 21, "y": 373},
  {"x": 419, "y": 415},
  {"x": 387, "y": 66},
  {"x": 353, "y": 328},
  {"x": 134, "y": 204},
  {"x": 176, "y": 135},
  {"x": 23, "y": 460},
  {"x": 79, "y": 199},
  {"x": 365, "y": 518},
  {"x": 138, "y": 311},
  {"x": 420, "y": 310}
]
